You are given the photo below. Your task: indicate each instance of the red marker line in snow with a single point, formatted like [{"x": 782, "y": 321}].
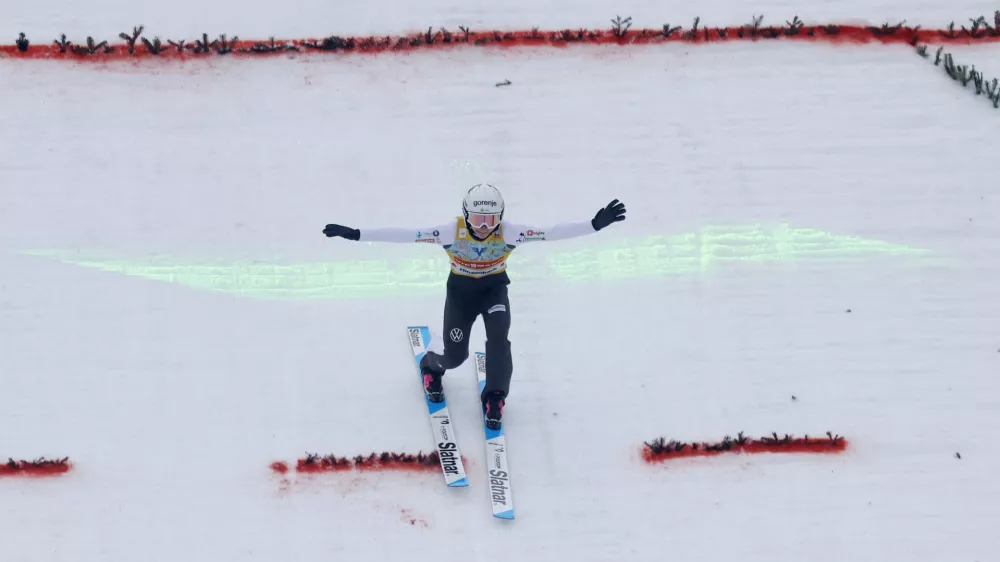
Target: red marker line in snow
[
  {"x": 384, "y": 461},
  {"x": 37, "y": 468},
  {"x": 661, "y": 449},
  {"x": 135, "y": 45}
]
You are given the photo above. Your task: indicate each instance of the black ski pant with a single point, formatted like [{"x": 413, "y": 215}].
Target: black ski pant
[{"x": 466, "y": 300}]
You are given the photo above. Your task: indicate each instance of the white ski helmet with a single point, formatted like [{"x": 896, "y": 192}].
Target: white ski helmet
[{"x": 483, "y": 206}]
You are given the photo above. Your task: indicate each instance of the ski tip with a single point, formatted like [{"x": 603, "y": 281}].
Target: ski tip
[
  {"x": 460, "y": 483},
  {"x": 508, "y": 515}
]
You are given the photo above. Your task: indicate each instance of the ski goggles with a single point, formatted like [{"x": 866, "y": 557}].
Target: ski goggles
[{"x": 480, "y": 220}]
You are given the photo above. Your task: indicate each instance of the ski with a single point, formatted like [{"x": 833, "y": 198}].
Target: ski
[
  {"x": 496, "y": 456},
  {"x": 441, "y": 426}
]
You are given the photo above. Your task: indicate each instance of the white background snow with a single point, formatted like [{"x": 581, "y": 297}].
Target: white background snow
[{"x": 172, "y": 401}]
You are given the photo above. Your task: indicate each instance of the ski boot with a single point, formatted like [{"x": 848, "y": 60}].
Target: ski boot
[
  {"x": 493, "y": 410},
  {"x": 432, "y": 382}
]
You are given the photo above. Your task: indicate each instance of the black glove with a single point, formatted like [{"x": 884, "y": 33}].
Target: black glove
[
  {"x": 614, "y": 212},
  {"x": 332, "y": 230}
]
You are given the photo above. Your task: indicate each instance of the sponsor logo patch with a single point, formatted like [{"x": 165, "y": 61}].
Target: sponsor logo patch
[
  {"x": 499, "y": 487},
  {"x": 456, "y": 335},
  {"x": 477, "y": 264},
  {"x": 449, "y": 460},
  {"x": 415, "y": 339}
]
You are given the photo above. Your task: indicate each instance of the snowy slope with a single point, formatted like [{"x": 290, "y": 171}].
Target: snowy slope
[{"x": 172, "y": 400}]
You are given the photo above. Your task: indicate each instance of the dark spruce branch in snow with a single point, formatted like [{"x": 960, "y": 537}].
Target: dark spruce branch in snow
[
  {"x": 203, "y": 45},
  {"x": 993, "y": 93},
  {"x": 981, "y": 27},
  {"x": 886, "y": 29},
  {"x": 693, "y": 34},
  {"x": 154, "y": 47},
  {"x": 331, "y": 43},
  {"x": 965, "y": 75},
  {"x": 567, "y": 35},
  {"x": 977, "y": 25},
  {"x": 977, "y": 79},
  {"x": 959, "y": 73},
  {"x": 22, "y": 43},
  {"x": 794, "y": 27},
  {"x": 752, "y": 29},
  {"x": 131, "y": 39},
  {"x": 224, "y": 46},
  {"x": 771, "y": 32},
  {"x": 93, "y": 47},
  {"x": 951, "y": 33},
  {"x": 373, "y": 43},
  {"x": 621, "y": 26},
  {"x": 273, "y": 47},
  {"x": 62, "y": 43},
  {"x": 328, "y": 460}
]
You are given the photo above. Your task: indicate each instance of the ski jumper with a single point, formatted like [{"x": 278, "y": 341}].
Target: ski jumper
[{"x": 477, "y": 286}]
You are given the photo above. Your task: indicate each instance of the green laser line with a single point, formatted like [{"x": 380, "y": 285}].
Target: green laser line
[{"x": 693, "y": 253}]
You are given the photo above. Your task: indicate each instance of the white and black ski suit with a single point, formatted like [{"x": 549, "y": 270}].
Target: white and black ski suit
[{"x": 477, "y": 284}]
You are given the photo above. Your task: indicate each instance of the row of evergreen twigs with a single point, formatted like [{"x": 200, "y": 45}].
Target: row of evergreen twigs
[
  {"x": 322, "y": 463},
  {"x": 965, "y": 75},
  {"x": 39, "y": 466},
  {"x": 661, "y": 448},
  {"x": 620, "y": 32}
]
